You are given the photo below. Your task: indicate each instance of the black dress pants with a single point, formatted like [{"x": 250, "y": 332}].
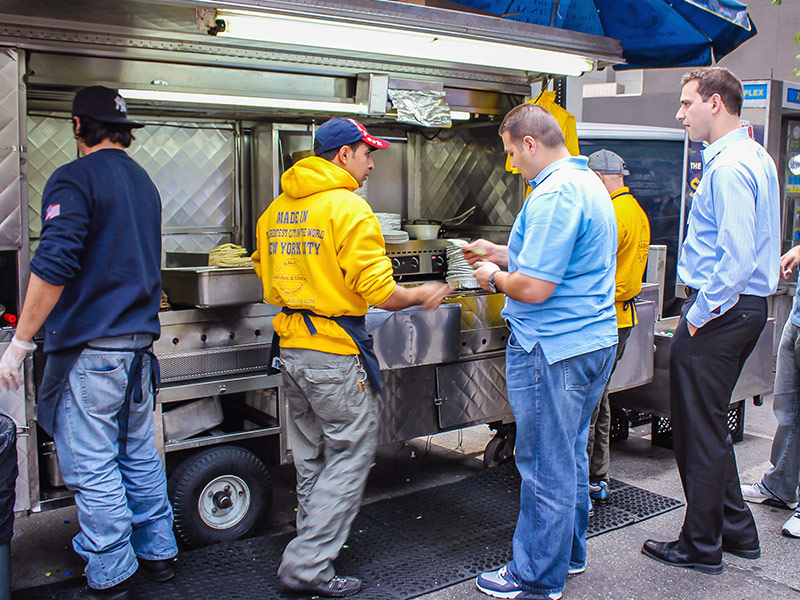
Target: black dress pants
[{"x": 703, "y": 372}]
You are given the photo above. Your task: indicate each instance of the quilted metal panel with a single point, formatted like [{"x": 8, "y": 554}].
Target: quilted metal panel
[
  {"x": 193, "y": 168},
  {"x": 10, "y": 216},
  {"x": 51, "y": 144},
  {"x": 465, "y": 167},
  {"x": 407, "y": 408},
  {"x": 473, "y": 392}
]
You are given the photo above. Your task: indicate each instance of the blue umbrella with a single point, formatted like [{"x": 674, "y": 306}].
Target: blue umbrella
[{"x": 653, "y": 33}]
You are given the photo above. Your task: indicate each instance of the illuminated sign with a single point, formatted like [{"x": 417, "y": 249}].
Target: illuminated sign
[
  {"x": 755, "y": 91},
  {"x": 756, "y": 94},
  {"x": 791, "y": 96}
]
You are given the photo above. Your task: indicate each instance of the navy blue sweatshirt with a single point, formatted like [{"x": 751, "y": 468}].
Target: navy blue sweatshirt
[{"x": 101, "y": 240}]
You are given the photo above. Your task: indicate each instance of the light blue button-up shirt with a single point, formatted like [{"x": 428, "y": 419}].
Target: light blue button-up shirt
[
  {"x": 732, "y": 246},
  {"x": 566, "y": 233}
]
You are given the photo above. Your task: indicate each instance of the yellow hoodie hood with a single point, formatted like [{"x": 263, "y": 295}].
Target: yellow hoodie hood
[
  {"x": 313, "y": 175},
  {"x": 319, "y": 247}
]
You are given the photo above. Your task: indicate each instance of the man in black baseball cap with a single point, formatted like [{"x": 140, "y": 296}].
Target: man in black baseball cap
[{"x": 96, "y": 286}]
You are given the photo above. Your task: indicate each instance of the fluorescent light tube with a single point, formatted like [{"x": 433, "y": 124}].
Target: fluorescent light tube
[
  {"x": 315, "y": 33},
  {"x": 244, "y": 101}
]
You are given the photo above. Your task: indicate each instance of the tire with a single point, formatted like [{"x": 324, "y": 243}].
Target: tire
[
  {"x": 219, "y": 495},
  {"x": 498, "y": 451}
]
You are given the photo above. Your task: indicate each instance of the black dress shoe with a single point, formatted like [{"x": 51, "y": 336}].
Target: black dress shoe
[
  {"x": 121, "y": 591},
  {"x": 338, "y": 587},
  {"x": 671, "y": 554},
  {"x": 751, "y": 551},
  {"x": 158, "y": 570}
]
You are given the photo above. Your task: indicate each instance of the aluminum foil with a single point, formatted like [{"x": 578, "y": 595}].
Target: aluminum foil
[{"x": 428, "y": 108}]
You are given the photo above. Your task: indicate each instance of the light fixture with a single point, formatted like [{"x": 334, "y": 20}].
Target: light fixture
[
  {"x": 244, "y": 101},
  {"x": 358, "y": 38},
  {"x": 460, "y": 115}
]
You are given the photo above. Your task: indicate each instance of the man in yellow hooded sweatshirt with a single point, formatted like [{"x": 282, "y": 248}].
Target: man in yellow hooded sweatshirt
[
  {"x": 321, "y": 256},
  {"x": 633, "y": 243}
]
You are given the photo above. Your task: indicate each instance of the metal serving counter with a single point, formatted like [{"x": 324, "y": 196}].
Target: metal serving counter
[
  {"x": 445, "y": 369},
  {"x": 756, "y": 378}
]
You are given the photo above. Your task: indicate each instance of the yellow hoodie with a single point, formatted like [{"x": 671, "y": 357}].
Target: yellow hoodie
[
  {"x": 319, "y": 247},
  {"x": 633, "y": 244}
]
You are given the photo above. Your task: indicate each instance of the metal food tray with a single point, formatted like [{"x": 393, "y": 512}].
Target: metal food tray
[{"x": 206, "y": 287}]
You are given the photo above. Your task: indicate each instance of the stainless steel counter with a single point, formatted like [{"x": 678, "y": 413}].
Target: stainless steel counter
[{"x": 756, "y": 378}]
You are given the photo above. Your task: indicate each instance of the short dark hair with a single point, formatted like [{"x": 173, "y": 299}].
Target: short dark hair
[
  {"x": 93, "y": 132},
  {"x": 535, "y": 121},
  {"x": 354, "y": 146},
  {"x": 718, "y": 80}
]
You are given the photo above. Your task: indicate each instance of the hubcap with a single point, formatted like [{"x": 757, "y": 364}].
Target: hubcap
[{"x": 224, "y": 502}]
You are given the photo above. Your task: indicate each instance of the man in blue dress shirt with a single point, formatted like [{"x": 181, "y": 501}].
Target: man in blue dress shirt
[
  {"x": 729, "y": 261},
  {"x": 559, "y": 287}
]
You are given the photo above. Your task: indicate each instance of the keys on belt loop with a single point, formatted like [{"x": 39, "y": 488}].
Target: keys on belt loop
[{"x": 361, "y": 375}]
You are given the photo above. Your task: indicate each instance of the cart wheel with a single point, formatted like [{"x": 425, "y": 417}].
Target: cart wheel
[
  {"x": 498, "y": 451},
  {"x": 219, "y": 495}
]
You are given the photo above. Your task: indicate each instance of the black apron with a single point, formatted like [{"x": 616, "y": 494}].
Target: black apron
[
  {"x": 56, "y": 374},
  {"x": 355, "y": 327}
]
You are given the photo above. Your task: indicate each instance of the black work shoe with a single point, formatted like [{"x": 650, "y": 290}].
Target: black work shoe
[
  {"x": 338, "y": 587},
  {"x": 157, "y": 570},
  {"x": 121, "y": 591},
  {"x": 751, "y": 551},
  {"x": 671, "y": 554}
]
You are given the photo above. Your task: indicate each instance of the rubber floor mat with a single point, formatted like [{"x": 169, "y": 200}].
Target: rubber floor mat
[{"x": 401, "y": 547}]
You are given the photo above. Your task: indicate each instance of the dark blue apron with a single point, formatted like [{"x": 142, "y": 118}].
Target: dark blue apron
[
  {"x": 56, "y": 374},
  {"x": 355, "y": 327},
  {"x": 632, "y": 304}
]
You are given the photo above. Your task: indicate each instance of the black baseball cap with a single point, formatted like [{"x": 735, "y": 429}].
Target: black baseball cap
[{"x": 103, "y": 104}]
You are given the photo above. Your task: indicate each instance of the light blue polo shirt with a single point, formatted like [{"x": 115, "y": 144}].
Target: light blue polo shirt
[{"x": 566, "y": 233}]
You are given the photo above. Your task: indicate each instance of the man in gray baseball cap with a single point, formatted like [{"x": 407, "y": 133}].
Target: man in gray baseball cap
[{"x": 633, "y": 240}]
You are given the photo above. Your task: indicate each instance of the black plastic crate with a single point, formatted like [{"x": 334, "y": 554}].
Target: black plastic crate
[
  {"x": 619, "y": 424},
  {"x": 661, "y": 431}
]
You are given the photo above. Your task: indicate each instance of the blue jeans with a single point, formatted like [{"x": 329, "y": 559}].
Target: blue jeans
[
  {"x": 782, "y": 479},
  {"x": 552, "y": 406},
  {"x": 121, "y": 497}
]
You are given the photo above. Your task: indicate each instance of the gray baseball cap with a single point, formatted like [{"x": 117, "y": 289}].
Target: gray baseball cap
[{"x": 607, "y": 162}]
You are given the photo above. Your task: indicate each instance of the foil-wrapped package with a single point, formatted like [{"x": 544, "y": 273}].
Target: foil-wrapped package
[{"x": 428, "y": 108}]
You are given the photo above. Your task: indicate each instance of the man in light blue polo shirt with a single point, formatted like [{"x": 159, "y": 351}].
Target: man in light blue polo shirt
[{"x": 560, "y": 307}]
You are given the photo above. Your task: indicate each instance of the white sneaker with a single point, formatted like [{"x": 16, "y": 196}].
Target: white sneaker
[
  {"x": 756, "y": 494},
  {"x": 792, "y": 526},
  {"x": 576, "y": 570}
]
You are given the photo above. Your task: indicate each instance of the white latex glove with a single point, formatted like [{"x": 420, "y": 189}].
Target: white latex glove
[{"x": 11, "y": 363}]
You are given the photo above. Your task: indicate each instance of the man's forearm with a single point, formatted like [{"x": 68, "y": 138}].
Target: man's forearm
[
  {"x": 40, "y": 299},
  {"x": 523, "y": 288}
]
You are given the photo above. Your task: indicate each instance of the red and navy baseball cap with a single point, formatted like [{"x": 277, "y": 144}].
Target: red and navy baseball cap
[
  {"x": 103, "y": 104},
  {"x": 342, "y": 131}
]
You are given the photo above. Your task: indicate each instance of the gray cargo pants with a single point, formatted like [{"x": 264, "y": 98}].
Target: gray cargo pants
[
  {"x": 600, "y": 427},
  {"x": 332, "y": 428}
]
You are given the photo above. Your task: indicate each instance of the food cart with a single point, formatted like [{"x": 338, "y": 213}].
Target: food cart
[{"x": 226, "y": 113}]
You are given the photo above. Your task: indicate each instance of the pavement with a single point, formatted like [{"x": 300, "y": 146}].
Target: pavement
[{"x": 42, "y": 553}]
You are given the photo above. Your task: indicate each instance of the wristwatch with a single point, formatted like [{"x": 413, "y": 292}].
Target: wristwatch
[{"x": 491, "y": 283}]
